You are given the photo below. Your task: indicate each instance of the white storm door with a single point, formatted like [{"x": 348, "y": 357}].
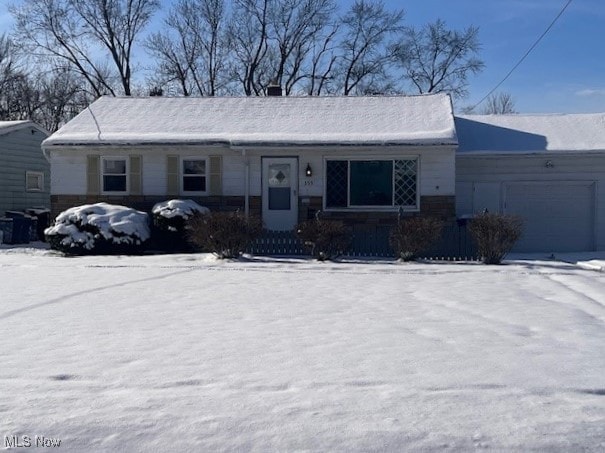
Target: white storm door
[{"x": 280, "y": 192}]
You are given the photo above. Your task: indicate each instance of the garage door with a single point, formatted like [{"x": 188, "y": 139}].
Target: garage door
[{"x": 558, "y": 216}]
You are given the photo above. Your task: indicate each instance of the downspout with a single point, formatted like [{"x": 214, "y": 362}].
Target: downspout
[{"x": 46, "y": 153}]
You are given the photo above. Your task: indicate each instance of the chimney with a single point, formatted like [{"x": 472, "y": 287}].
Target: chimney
[{"x": 274, "y": 89}]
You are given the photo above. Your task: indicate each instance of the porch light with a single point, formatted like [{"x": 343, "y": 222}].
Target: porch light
[
  {"x": 308, "y": 171},
  {"x": 549, "y": 164}
]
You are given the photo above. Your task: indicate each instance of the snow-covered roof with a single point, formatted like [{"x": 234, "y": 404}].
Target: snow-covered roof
[
  {"x": 10, "y": 126},
  {"x": 263, "y": 121},
  {"x": 530, "y": 133}
]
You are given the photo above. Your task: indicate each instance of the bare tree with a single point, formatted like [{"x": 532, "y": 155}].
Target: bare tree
[
  {"x": 435, "y": 58},
  {"x": 499, "y": 104},
  {"x": 323, "y": 59},
  {"x": 192, "y": 51},
  {"x": 61, "y": 97},
  {"x": 14, "y": 88},
  {"x": 295, "y": 27},
  {"x": 249, "y": 31},
  {"x": 8, "y": 65},
  {"x": 173, "y": 62},
  {"x": 365, "y": 53},
  {"x": 74, "y": 31},
  {"x": 48, "y": 97},
  {"x": 287, "y": 42}
]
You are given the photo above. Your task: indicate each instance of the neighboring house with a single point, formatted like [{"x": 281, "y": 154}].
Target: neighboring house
[
  {"x": 24, "y": 171},
  {"x": 360, "y": 159},
  {"x": 549, "y": 169}
]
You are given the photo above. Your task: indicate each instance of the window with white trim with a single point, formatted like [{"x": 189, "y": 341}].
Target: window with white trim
[
  {"x": 194, "y": 175},
  {"x": 114, "y": 174},
  {"x": 358, "y": 183},
  {"x": 34, "y": 181}
]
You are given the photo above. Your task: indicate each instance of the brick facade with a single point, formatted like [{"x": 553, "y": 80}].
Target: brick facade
[
  {"x": 443, "y": 207},
  {"x": 145, "y": 203}
]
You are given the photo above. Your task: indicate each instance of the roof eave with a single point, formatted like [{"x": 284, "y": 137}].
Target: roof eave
[
  {"x": 24, "y": 125},
  {"x": 559, "y": 152},
  {"x": 256, "y": 144}
]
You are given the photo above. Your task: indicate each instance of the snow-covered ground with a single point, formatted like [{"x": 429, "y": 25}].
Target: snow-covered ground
[{"x": 185, "y": 353}]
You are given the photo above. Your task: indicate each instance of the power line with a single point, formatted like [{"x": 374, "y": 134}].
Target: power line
[{"x": 526, "y": 54}]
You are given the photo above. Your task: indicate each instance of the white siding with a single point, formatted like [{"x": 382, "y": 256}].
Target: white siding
[
  {"x": 233, "y": 175},
  {"x": 68, "y": 173},
  {"x": 437, "y": 172},
  {"x": 154, "y": 174},
  {"x": 313, "y": 186},
  {"x": 568, "y": 168}
]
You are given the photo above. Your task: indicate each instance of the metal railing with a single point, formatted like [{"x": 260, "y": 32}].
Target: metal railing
[{"x": 373, "y": 241}]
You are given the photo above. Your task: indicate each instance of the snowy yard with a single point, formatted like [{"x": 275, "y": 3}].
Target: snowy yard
[{"x": 184, "y": 353}]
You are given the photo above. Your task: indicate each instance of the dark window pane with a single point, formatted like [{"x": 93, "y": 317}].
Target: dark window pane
[
  {"x": 194, "y": 167},
  {"x": 371, "y": 183},
  {"x": 114, "y": 183},
  {"x": 194, "y": 183},
  {"x": 279, "y": 198},
  {"x": 337, "y": 181}
]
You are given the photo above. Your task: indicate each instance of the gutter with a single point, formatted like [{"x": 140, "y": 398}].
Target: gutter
[
  {"x": 257, "y": 144},
  {"x": 46, "y": 153}
]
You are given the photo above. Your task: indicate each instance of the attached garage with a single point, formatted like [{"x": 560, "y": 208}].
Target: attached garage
[
  {"x": 548, "y": 169},
  {"x": 558, "y": 215}
]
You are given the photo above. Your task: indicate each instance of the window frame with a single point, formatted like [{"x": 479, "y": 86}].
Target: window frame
[
  {"x": 126, "y": 174},
  {"x": 182, "y": 175},
  {"x": 387, "y": 208},
  {"x": 40, "y": 176}
]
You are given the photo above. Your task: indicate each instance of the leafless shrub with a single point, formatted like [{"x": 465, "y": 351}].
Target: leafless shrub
[
  {"x": 495, "y": 235},
  {"x": 325, "y": 239},
  {"x": 226, "y": 234},
  {"x": 414, "y": 235}
]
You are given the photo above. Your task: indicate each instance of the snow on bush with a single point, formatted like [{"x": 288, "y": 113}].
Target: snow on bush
[
  {"x": 178, "y": 208},
  {"x": 171, "y": 224},
  {"x": 99, "y": 228}
]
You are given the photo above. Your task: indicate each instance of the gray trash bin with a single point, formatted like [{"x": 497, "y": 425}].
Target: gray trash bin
[
  {"x": 22, "y": 225},
  {"x": 6, "y": 227}
]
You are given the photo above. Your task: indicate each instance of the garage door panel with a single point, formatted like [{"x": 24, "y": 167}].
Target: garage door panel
[{"x": 557, "y": 216}]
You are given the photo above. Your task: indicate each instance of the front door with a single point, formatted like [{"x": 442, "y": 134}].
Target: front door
[{"x": 279, "y": 198}]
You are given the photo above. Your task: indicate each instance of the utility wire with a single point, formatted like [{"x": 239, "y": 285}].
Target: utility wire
[{"x": 526, "y": 54}]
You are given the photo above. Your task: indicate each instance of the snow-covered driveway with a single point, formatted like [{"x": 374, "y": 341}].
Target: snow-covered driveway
[{"x": 184, "y": 353}]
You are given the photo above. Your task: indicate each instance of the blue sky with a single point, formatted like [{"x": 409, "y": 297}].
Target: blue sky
[{"x": 565, "y": 73}]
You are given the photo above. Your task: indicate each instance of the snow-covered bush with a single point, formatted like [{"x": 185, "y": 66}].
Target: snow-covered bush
[
  {"x": 97, "y": 229},
  {"x": 226, "y": 234},
  {"x": 170, "y": 221},
  {"x": 414, "y": 235},
  {"x": 495, "y": 235},
  {"x": 324, "y": 239}
]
